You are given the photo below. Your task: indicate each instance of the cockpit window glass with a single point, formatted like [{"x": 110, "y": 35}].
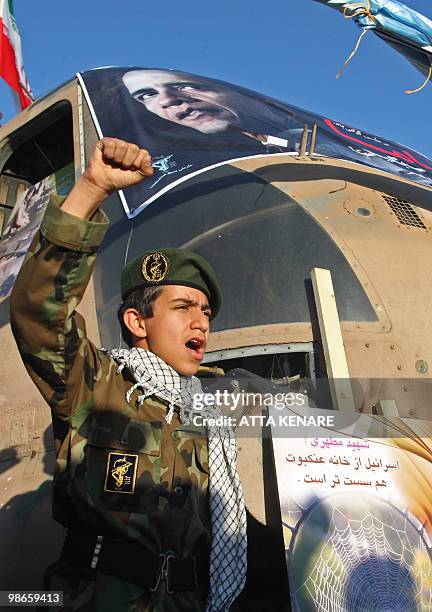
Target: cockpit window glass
[{"x": 38, "y": 162}]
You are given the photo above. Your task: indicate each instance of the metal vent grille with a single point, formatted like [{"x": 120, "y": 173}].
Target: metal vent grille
[{"x": 405, "y": 212}]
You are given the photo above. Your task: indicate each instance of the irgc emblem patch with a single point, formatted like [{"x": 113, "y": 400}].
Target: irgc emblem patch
[
  {"x": 155, "y": 267},
  {"x": 121, "y": 472}
]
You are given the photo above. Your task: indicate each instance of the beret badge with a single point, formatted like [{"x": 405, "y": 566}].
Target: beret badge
[{"x": 155, "y": 267}]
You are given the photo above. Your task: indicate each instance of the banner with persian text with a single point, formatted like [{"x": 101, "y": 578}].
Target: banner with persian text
[{"x": 357, "y": 518}]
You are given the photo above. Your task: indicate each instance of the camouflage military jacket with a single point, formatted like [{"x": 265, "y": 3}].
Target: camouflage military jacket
[{"x": 121, "y": 469}]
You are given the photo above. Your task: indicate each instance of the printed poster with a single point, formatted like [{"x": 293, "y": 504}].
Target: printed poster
[
  {"x": 24, "y": 222},
  {"x": 191, "y": 123},
  {"x": 357, "y": 518}
]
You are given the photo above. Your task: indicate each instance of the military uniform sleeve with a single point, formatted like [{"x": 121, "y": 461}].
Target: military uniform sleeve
[{"x": 50, "y": 335}]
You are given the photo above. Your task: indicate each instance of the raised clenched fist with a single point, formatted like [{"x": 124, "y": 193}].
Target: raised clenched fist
[{"x": 114, "y": 164}]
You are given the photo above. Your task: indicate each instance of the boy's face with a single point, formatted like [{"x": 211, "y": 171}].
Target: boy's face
[{"x": 179, "y": 329}]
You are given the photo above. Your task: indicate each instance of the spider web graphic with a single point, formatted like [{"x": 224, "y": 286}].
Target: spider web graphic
[{"x": 369, "y": 557}]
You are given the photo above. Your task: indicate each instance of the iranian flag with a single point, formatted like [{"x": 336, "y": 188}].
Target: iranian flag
[{"x": 11, "y": 60}]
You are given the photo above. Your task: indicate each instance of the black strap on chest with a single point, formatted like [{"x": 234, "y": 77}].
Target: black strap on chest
[{"x": 134, "y": 563}]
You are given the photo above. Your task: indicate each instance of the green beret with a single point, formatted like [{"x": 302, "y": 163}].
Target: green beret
[{"x": 172, "y": 267}]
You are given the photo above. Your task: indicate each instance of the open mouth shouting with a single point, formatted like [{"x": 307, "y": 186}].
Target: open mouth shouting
[{"x": 196, "y": 346}]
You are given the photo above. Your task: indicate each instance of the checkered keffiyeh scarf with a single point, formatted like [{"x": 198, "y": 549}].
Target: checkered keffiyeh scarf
[{"x": 227, "y": 509}]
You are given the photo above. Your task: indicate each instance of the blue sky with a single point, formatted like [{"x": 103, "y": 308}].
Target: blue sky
[{"x": 291, "y": 50}]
